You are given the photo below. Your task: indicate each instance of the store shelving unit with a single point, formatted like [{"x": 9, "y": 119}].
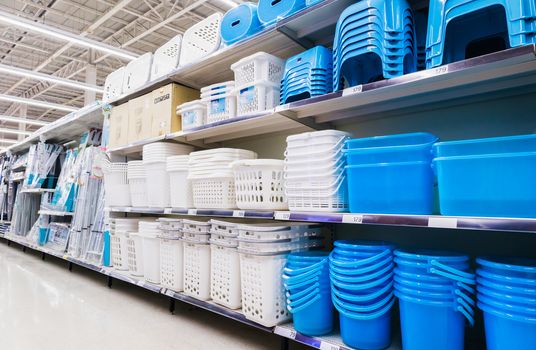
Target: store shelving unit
[
  {"x": 37, "y": 190},
  {"x": 55, "y": 213}
]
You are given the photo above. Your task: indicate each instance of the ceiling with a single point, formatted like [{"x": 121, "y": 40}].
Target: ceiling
[{"x": 137, "y": 26}]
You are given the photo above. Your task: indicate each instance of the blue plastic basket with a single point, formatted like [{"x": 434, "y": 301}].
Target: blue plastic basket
[
  {"x": 42, "y": 239},
  {"x": 510, "y": 266},
  {"x": 240, "y": 23},
  {"x": 486, "y": 146},
  {"x": 271, "y": 11}
]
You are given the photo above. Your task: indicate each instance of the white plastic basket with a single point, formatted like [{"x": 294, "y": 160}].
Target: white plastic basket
[
  {"x": 316, "y": 137},
  {"x": 151, "y": 258},
  {"x": 263, "y": 248},
  {"x": 225, "y": 276},
  {"x": 158, "y": 185},
  {"x": 259, "y": 66},
  {"x": 113, "y": 85},
  {"x": 195, "y": 226},
  {"x": 336, "y": 202},
  {"x": 181, "y": 194},
  {"x": 220, "y": 107},
  {"x": 211, "y": 154},
  {"x": 193, "y": 114},
  {"x": 259, "y": 184},
  {"x": 197, "y": 270},
  {"x": 138, "y": 72},
  {"x": 119, "y": 250},
  {"x": 271, "y": 232},
  {"x": 171, "y": 264},
  {"x": 263, "y": 293},
  {"x": 166, "y": 57},
  {"x": 201, "y": 39},
  {"x": 135, "y": 254},
  {"x": 215, "y": 192},
  {"x": 224, "y": 228},
  {"x": 258, "y": 97},
  {"x": 116, "y": 189},
  {"x": 138, "y": 192},
  {"x": 195, "y": 237}
]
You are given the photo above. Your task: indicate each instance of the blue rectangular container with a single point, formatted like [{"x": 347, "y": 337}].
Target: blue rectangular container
[
  {"x": 391, "y": 188},
  {"x": 508, "y": 144}
]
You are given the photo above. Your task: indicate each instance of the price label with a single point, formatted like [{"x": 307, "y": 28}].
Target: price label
[
  {"x": 352, "y": 219},
  {"x": 353, "y": 90},
  {"x": 441, "y": 70},
  {"x": 170, "y": 293},
  {"x": 140, "y": 283},
  {"x": 167, "y": 210},
  {"x": 192, "y": 211},
  {"x": 286, "y": 332},
  {"x": 440, "y": 222},
  {"x": 281, "y": 108},
  {"x": 327, "y": 346},
  {"x": 128, "y": 209},
  {"x": 239, "y": 213},
  {"x": 282, "y": 215}
]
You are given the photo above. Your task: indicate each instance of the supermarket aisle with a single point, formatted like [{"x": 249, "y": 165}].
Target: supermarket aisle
[{"x": 43, "y": 306}]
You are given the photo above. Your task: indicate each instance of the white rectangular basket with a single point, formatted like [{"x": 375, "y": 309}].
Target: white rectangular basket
[
  {"x": 113, "y": 85},
  {"x": 135, "y": 255},
  {"x": 171, "y": 264},
  {"x": 201, "y": 39},
  {"x": 220, "y": 107},
  {"x": 196, "y": 270},
  {"x": 138, "y": 72},
  {"x": 225, "y": 276},
  {"x": 257, "y": 97},
  {"x": 214, "y": 192},
  {"x": 166, "y": 57},
  {"x": 259, "y": 66},
  {"x": 119, "y": 251}
]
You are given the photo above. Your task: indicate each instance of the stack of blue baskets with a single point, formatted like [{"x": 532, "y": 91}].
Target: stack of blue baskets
[
  {"x": 374, "y": 39},
  {"x": 306, "y": 75},
  {"x": 240, "y": 23},
  {"x": 507, "y": 296},
  {"x": 306, "y": 280},
  {"x": 362, "y": 291},
  {"x": 434, "y": 291},
  {"x": 467, "y": 22},
  {"x": 391, "y": 174}
]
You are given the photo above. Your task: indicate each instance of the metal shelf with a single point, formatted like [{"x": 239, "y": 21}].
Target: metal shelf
[
  {"x": 251, "y": 214},
  {"x": 54, "y": 213},
  {"x": 37, "y": 190}
]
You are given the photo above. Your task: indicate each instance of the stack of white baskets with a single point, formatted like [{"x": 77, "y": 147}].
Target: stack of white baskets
[
  {"x": 220, "y": 100},
  {"x": 212, "y": 177},
  {"x": 314, "y": 171},
  {"x": 136, "y": 182},
  {"x": 263, "y": 252},
  {"x": 120, "y": 228},
  {"x": 116, "y": 190},
  {"x": 180, "y": 187},
  {"x": 225, "y": 264},
  {"x": 155, "y": 161},
  {"x": 258, "y": 82},
  {"x": 171, "y": 254},
  {"x": 150, "y": 233},
  {"x": 193, "y": 114},
  {"x": 196, "y": 259}
]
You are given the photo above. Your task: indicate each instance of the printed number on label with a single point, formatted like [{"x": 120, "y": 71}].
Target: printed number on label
[
  {"x": 352, "y": 219},
  {"x": 282, "y": 215},
  {"x": 353, "y": 90},
  {"x": 441, "y": 70},
  {"x": 239, "y": 213},
  {"x": 328, "y": 346},
  {"x": 192, "y": 211},
  {"x": 167, "y": 211}
]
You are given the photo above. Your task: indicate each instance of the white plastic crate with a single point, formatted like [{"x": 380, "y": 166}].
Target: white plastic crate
[
  {"x": 119, "y": 251},
  {"x": 116, "y": 189},
  {"x": 225, "y": 276},
  {"x": 258, "y": 97},
  {"x": 195, "y": 226},
  {"x": 135, "y": 254},
  {"x": 224, "y": 228},
  {"x": 151, "y": 258},
  {"x": 271, "y": 232},
  {"x": 195, "y": 237},
  {"x": 201, "y": 39},
  {"x": 259, "y": 66},
  {"x": 138, "y": 72},
  {"x": 166, "y": 57},
  {"x": 259, "y": 184},
  {"x": 113, "y": 85},
  {"x": 197, "y": 270},
  {"x": 214, "y": 192},
  {"x": 193, "y": 114},
  {"x": 221, "y": 107},
  {"x": 263, "y": 293},
  {"x": 171, "y": 264}
]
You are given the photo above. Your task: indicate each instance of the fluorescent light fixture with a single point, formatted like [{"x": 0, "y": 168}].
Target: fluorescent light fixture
[
  {"x": 63, "y": 35},
  {"x": 16, "y": 132},
  {"x": 50, "y": 78},
  {"x": 8, "y": 141},
  {"x": 20, "y": 120},
  {"x": 229, "y": 3},
  {"x": 37, "y": 103}
]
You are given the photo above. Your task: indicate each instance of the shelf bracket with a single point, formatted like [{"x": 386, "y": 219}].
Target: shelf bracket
[
  {"x": 284, "y": 345},
  {"x": 305, "y": 121},
  {"x": 70, "y": 266},
  {"x": 305, "y": 43},
  {"x": 43, "y": 256}
]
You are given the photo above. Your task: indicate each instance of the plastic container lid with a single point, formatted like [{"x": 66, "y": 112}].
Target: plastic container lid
[
  {"x": 314, "y": 134},
  {"x": 494, "y": 145}
]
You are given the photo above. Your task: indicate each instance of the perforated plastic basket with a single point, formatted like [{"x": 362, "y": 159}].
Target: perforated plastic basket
[
  {"x": 171, "y": 264},
  {"x": 258, "y": 97},
  {"x": 201, "y": 39},
  {"x": 221, "y": 107},
  {"x": 216, "y": 192},
  {"x": 197, "y": 270},
  {"x": 135, "y": 254},
  {"x": 193, "y": 114},
  {"x": 113, "y": 85},
  {"x": 117, "y": 191},
  {"x": 138, "y": 72},
  {"x": 166, "y": 57},
  {"x": 258, "y": 67},
  {"x": 119, "y": 251},
  {"x": 225, "y": 276}
]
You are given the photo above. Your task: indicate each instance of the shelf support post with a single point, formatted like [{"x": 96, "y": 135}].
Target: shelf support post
[
  {"x": 171, "y": 305},
  {"x": 70, "y": 266},
  {"x": 284, "y": 344},
  {"x": 110, "y": 280},
  {"x": 43, "y": 256}
]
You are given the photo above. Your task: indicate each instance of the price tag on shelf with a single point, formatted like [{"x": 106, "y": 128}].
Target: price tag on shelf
[
  {"x": 282, "y": 215},
  {"x": 352, "y": 219},
  {"x": 328, "y": 346},
  {"x": 286, "y": 332},
  {"x": 169, "y": 293},
  {"x": 140, "y": 283},
  {"x": 352, "y": 90},
  {"x": 192, "y": 211},
  {"x": 282, "y": 108},
  {"x": 441, "y": 70},
  {"x": 167, "y": 210},
  {"x": 441, "y": 222},
  {"x": 239, "y": 213},
  {"x": 128, "y": 209}
]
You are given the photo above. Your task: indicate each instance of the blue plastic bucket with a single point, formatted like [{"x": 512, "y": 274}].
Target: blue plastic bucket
[
  {"x": 504, "y": 305},
  {"x": 387, "y": 269},
  {"x": 298, "y": 287},
  {"x": 291, "y": 270},
  {"x": 506, "y": 280},
  {"x": 421, "y": 276},
  {"x": 314, "y": 318},
  {"x": 513, "y": 267},
  {"x": 364, "y": 297},
  {"x": 507, "y": 331},
  {"x": 428, "y": 255},
  {"x": 363, "y": 246},
  {"x": 366, "y": 307},
  {"x": 308, "y": 256},
  {"x": 432, "y": 287},
  {"x": 527, "y": 301},
  {"x": 352, "y": 287},
  {"x": 504, "y": 288},
  {"x": 424, "y": 267},
  {"x": 357, "y": 271}
]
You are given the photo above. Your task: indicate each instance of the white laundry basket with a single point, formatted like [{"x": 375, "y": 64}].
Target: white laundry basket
[
  {"x": 259, "y": 184},
  {"x": 257, "y": 97},
  {"x": 113, "y": 85},
  {"x": 166, "y": 57},
  {"x": 193, "y": 114},
  {"x": 138, "y": 72},
  {"x": 119, "y": 250},
  {"x": 180, "y": 187},
  {"x": 150, "y": 232},
  {"x": 225, "y": 276},
  {"x": 171, "y": 264},
  {"x": 220, "y": 100},
  {"x": 258, "y": 67},
  {"x": 157, "y": 184},
  {"x": 116, "y": 189},
  {"x": 135, "y": 254},
  {"x": 137, "y": 184},
  {"x": 197, "y": 270},
  {"x": 214, "y": 192},
  {"x": 201, "y": 39}
]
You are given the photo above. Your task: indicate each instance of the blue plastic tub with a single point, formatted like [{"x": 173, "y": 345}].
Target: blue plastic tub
[
  {"x": 240, "y": 23},
  {"x": 493, "y": 145},
  {"x": 527, "y": 301},
  {"x": 271, "y": 11},
  {"x": 314, "y": 318},
  {"x": 507, "y": 331},
  {"x": 513, "y": 267},
  {"x": 505, "y": 288},
  {"x": 506, "y": 280}
]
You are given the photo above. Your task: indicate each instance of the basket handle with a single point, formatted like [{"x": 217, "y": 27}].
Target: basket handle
[
  {"x": 335, "y": 146},
  {"x": 301, "y": 307},
  {"x": 341, "y": 177},
  {"x": 451, "y": 276},
  {"x": 302, "y": 293},
  {"x": 362, "y": 262},
  {"x": 452, "y": 270},
  {"x": 466, "y": 310}
]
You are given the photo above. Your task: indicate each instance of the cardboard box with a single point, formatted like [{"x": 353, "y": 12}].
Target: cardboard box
[
  {"x": 119, "y": 126},
  {"x": 164, "y": 107},
  {"x": 140, "y": 118}
]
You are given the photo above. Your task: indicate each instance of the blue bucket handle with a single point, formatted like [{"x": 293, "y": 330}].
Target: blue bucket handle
[
  {"x": 451, "y": 276},
  {"x": 309, "y": 268},
  {"x": 302, "y": 300},
  {"x": 452, "y": 270},
  {"x": 369, "y": 308},
  {"x": 301, "y": 293},
  {"x": 462, "y": 285},
  {"x": 367, "y": 277},
  {"x": 364, "y": 286},
  {"x": 370, "y": 296},
  {"x": 292, "y": 286},
  {"x": 301, "y": 307},
  {"x": 464, "y": 296},
  {"x": 365, "y": 317},
  {"x": 469, "y": 316},
  {"x": 304, "y": 276},
  {"x": 359, "y": 263}
]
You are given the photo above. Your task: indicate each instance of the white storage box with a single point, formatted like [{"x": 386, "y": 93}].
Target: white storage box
[
  {"x": 258, "y": 67},
  {"x": 166, "y": 58},
  {"x": 138, "y": 72},
  {"x": 197, "y": 270},
  {"x": 171, "y": 264},
  {"x": 255, "y": 98},
  {"x": 225, "y": 276},
  {"x": 193, "y": 114}
]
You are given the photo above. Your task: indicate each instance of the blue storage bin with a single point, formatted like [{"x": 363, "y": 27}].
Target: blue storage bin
[
  {"x": 106, "y": 255},
  {"x": 492, "y": 145},
  {"x": 42, "y": 239},
  {"x": 271, "y": 11},
  {"x": 240, "y": 23}
]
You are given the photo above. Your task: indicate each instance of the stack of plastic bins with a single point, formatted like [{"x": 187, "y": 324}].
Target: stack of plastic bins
[
  {"x": 180, "y": 187},
  {"x": 193, "y": 114},
  {"x": 391, "y": 174},
  {"x": 263, "y": 252},
  {"x": 421, "y": 26},
  {"x": 171, "y": 254},
  {"x": 459, "y": 29},
  {"x": 507, "y": 296},
  {"x": 487, "y": 177},
  {"x": 224, "y": 264},
  {"x": 361, "y": 275},
  {"x": 196, "y": 259},
  {"x": 136, "y": 182},
  {"x": 306, "y": 281},
  {"x": 119, "y": 231},
  {"x": 220, "y": 100},
  {"x": 307, "y": 74},
  {"x": 314, "y": 171},
  {"x": 212, "y": 177},
  {"x": 117, "y": 191},
  {"x": 257, "y": 82},
  {"x": 435, "y": 291},
  {"x": 155, "y": 162},
  {"x": 240, "y": 23},
  {"x": 150, "y": 231},
  {"x": 270, "y": 11},
  {"x": 373, "y": 40}
]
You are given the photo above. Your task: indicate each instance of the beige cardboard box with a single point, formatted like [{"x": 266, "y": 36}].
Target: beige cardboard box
[
  {"x": 164, "y": 109},
  {"x": 119, "y": 126},
  {"x": 140, "y": 118}
]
